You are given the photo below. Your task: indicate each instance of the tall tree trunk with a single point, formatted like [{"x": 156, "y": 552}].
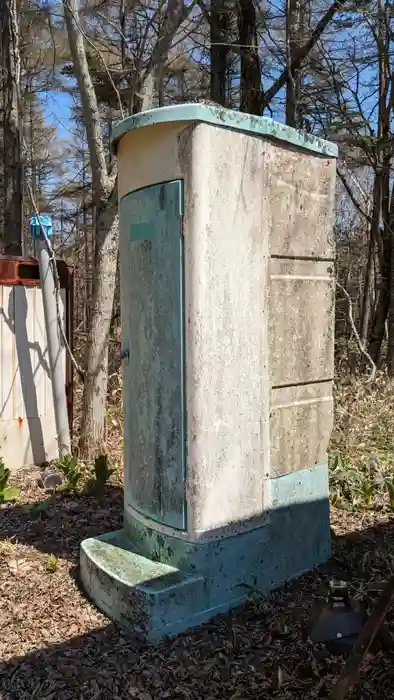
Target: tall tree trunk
[
  {"x": 390, "y": 315},
  {"x": 367, "y": 290},
  {"x": 389, "y": 285},
  {"x": 250, "y": 61},
  {"x": 93, "y": 421},
  {"x": 11, "y": 236},
  {"x": 104, "y": 182},
  {"x": 94, "y": 426},
  {"x": 386, "y": 99},
  {"x": 223, "y": 20},
  {"x": 151, "y": 82},
  {"x": 381, "y": 197},
  {"x": 31, "y": 241},
  {"x": 293, "y": 45},
  {"x": 219, "y": 52},
  {"x": 382, "y": 306}
]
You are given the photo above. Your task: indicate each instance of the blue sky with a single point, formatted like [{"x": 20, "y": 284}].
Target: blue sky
[{"x": 57, "y": 109}]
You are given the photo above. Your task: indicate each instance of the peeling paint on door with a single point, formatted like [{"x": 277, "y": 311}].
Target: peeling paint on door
[{"x": 152, "y": 298}]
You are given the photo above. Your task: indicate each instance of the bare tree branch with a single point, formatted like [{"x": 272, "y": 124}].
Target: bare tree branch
[
  {"x": 356, "y": 334},
  {"x": 352, "y": 196},
  {"x": 100, "y": 55},
  {"x": 303, "y": 52},
  {"x": 177, "y": 12}
]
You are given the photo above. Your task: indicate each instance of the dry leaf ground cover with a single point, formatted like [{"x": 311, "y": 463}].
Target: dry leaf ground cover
[{"x": 54, "y": 645}]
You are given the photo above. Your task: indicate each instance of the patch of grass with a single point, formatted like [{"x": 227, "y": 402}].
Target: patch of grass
[
  {"x": 362, "y": 444},
  {"x": 389, "y": 486},
  {"x": 7, "y": 493},
  {"x": 102, "y": 473},
  {"x": 352, "y": 487},
  {"x": 70, "y": 468},
  {"x": 39, "y": 510},
  {"x": 51, "y": 564}
]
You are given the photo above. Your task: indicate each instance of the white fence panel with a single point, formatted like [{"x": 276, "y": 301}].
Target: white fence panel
[{"x": 27, "y": 421}]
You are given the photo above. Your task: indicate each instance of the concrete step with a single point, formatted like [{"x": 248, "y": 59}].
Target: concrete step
[{"x": 148, "y": 598}]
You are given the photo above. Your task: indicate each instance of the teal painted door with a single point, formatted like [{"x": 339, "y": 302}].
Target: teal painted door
[{"x": 152, "y": 311}]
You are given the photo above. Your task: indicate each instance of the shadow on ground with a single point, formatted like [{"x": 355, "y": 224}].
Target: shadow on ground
[
  {"x": 260, "y": 652},
  {"x": 59, "y": 528}
]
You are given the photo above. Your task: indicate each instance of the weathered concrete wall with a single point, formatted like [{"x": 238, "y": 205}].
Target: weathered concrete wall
[
  {"x": 226, "y": 271},
  {"x": 300, "y": 191},
  {"x": 258, "y": 307},
  {"x": 300, "y": 187},
  {"x": 301, "y": 362}
]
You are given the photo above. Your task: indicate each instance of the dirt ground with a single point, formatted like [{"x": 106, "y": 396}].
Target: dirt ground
[{"x": 54, "y": 645}]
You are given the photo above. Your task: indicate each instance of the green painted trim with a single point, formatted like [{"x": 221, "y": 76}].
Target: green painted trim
[
  {"x": 183, "y": 343},
  {"x": 239, "y": 121},
  {"x": 181, "y": 199}
]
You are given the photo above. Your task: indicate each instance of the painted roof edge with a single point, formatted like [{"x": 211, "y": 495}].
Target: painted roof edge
[{"x": 262, "y": 126}]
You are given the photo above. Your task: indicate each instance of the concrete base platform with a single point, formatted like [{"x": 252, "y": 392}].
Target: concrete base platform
[
  {"x": 146, "y": 597},
  {"x": 156, "y": 585}
]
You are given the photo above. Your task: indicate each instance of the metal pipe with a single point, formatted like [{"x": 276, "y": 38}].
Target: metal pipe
[{"x": 41, "y": 229}]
